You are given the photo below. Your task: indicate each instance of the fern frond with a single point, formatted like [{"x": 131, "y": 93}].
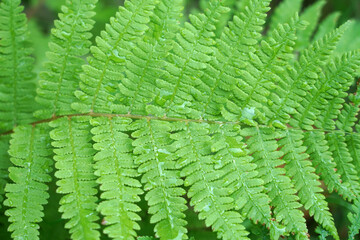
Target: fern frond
[
  {"x": 117, "y": 175},
  {"x": 284, "y": 12},
  {"x": 254, "y": 91},
  {"x": 30, "y": 152},
  {"x": 241, "y": 177},
  {"x": 106, "y": 65},
  {"x": 4, "y": 165},
  {"x": 147, "y": 61},
  {"x": 318, "y": 149},
  {"x": 311, "y": 15},
  {"x": 234, "y": 44},
  {"x": 333, "y": 82},
  {"x": 354, "y": 219},
  {"x": 74, "y": 156},
  {"x": 303, "y": 176},
  {"x": 192, "y": 52},
  {"x": 304, "y": 74},
  {"x": 69, "y": 42},
  {"x": 263, "y": 147},
  {"x": 208, "y": 195},
  {"x": 161, "y": 178},
  {"x": 17, "y": 87},
  {"x": 348, "y": 115},
  {"x": 343, "y": 160}
]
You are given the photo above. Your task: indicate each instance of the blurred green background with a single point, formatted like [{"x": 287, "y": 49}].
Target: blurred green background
[{"x": 42, "y": 13}]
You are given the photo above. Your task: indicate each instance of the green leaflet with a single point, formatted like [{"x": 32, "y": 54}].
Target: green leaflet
[
  {"x": 69, "y": 42},
  {"x": 303, "y": 176},
  {"x": 334, "y": 81},
  {"x": 74, "y": 163},
  {"x": 116, "y": 163},
  {"x": 208, "y": 195},
  {"x": 30, "y": 153},
  {"x": 343, "y": 160},
  {"x": 257, "y": 89},
  {"x": 318, "y": 149},
  {"x": 17, "y": 86},
  {"x": 147, "y": 61},
  {"x": 161, "y": 178},
  {"x": 241, "y": 176},
  {"x": 101, "y": 76},
  {"x": 263, "y": 147},
  {"x": 304, "y": 74},
  {"x": 233, "y": 45}
]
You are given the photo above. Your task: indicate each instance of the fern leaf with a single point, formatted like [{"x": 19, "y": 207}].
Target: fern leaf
[
  {"x": 241, "y": 176},
  {"x": 304, "y": 74},
  {"x": 4, "y": 165},
  {"x": 208, "y": 195},
  {"x": 252, "y": 93},
  {"x": 343, "y": 160},
  {"x": 147, "y": 61},
  {"x": 332, "y": 85},
  {"x": 354, "y": 219},
  {"x": 236, "y": 41},
  {"x": 73, "y": 156},
  {"x": 106, "y": 65},
  {"x": 116, "y": 174},
  {"x": 263, "y": 147},
  {"x": 318, "y": 149},
  {"x": 303, "y": 176},
  {"x": 192, "y": 52},
  {"x": 30, "y": 152},
  {"x": 69, "y": 42},
  {"x": 284, "y": 12},
  {"x": 311, "y": 15},
  {"x": 17, "y": 88},
  {"x": 160, "y": 177}
]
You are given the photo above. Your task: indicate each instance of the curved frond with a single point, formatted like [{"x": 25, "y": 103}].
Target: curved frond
[
  {"x": 69, "y": 42},
  {"x": 117, "y": 176},
  {"x": 17, "y": 87},
  {"x": 161, "y": 178},
  {"x": 74, "y": 164},
  {"x": 30, "y": 152}
]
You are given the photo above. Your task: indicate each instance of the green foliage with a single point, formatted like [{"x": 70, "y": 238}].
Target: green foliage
[{"x": 169, "y": 119}]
